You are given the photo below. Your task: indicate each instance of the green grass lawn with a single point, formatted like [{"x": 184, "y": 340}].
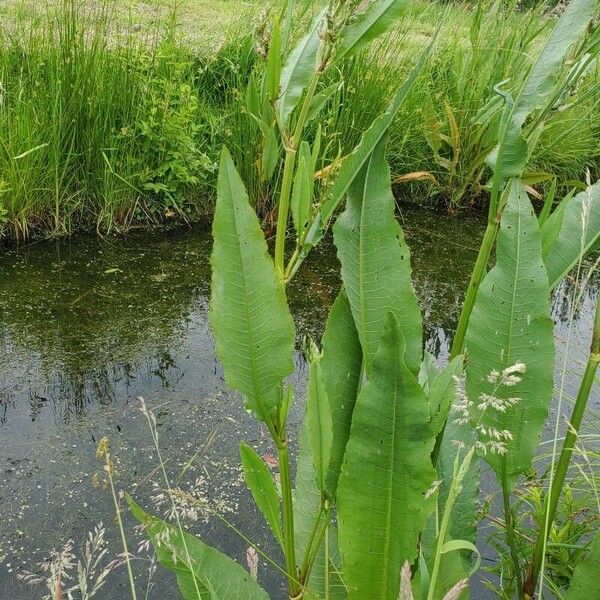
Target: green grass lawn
[{"x": 203, "y": 23}]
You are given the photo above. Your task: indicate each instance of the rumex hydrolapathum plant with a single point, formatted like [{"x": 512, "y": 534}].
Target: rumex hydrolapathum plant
[
  {"x": 516, "y": 136},
  {"x": 252, "y": 323},
  {"x": 375, "y": 404}
]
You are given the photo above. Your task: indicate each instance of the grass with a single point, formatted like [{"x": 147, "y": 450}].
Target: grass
[{"x": 113, "y": 112}]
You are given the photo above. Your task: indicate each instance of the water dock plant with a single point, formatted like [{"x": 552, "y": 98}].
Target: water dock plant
[{"x": 383, "y": 423}]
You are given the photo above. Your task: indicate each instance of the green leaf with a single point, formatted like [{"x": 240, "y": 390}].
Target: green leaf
[
  {"x": 454, "y": 545},
  {"x": 511, "y": 323},
  {"x": 377, "y": 19},
  {"x": 428, "y": 371},
  {"x": 551, "y": 227},
  {"x": 509, "y": 158},
  {"x": 252, "y": 324},
  {"x": 260, "y": 482},
  {"x": 203, "y": 573},
  {"x": 341, "y": 364},
  {"x": 253, "y": 98},
  {"x": 578, "y": 234},
  {"x": 303, "y": 188},
  {"x": 382, "y": 504},
  {"x": 376, "y": 262},
  {"x": 270, "y": 149},
  {"x": 319, "y": 422},
  {"x": 299, "y": 69},
  {"x": 586, "y": 578},
  {"x": 273, "y": 73}
]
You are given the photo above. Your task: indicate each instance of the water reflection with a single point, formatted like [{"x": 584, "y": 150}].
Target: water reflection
[{"x": 84, "y": 323}]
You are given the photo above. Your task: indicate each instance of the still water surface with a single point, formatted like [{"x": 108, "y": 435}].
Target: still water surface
[{"x": 88, "y": 326}]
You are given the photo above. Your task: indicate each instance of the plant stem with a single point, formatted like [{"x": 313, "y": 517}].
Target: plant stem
[
  {"x": 108, "y": 469},
  {"x": 283, "y": 209},
  {"x": 289, "y": 540},
  {"x": 319, "y": 538},
  {"x": 477, "y": 276},
  {"x": 288, "y": 176},
  {"x": 311, "y": 539},
  {"x": 510, "y": 532},
  {"x": 458, "y": 474},
  {"x": 557, "y": 483}
]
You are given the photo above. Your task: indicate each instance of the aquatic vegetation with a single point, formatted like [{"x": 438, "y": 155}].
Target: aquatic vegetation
[{"x": 379, "y": 428}]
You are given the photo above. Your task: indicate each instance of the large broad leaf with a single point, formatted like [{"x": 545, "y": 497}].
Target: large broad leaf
[
  {"x": 578, "y": 234},
  {"x": 253, "y": 327},
  {"x": 382, "y": 492},
  {"x": 260, "y": 482},
  {"x": 376, "y": 262},
  {"x": 377, "y": 19},
  {"x": 355, "y": 162},
  {"x": 341, "y": 365},
  {"x": 509, "y": 158},
  {"x": 299, "y": 69},
  {"x": 586, "y": 579},
  {"x": 511, "y": 324},
  {"x": 203, "y": 573}
]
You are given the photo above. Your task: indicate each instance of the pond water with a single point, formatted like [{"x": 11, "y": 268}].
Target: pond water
[{"x": 87, "y": 326}]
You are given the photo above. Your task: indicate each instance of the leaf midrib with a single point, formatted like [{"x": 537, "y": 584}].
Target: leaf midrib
[
  {"x": 255, "y": 384},
  {"x": 387, "y": 557},
  {"x": 361, "y": 291}
]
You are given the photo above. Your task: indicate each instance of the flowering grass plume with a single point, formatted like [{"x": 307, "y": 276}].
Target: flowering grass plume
[
  {"x": 489, "y": 439},
  {"x": 66, "y": 576}
]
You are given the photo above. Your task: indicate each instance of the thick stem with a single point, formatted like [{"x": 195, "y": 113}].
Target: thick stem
[
  {"x": 510, "y": 532},
  {"x": 288, "y": 176},
  {"x": 477, "y": 276},
  {"x": 557, "y": 483},
  {"x": 289, "y": 540}
]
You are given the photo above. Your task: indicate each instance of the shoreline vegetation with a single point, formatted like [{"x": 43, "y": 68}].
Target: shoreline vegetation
[
  {"x": 319, "y": 111},
  {"x": 112, "y": 115}
]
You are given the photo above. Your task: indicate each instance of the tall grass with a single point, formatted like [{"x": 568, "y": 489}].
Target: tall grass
[
  {"x": 95, "y": 129},
  {"x": 106, "y": 127}
]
